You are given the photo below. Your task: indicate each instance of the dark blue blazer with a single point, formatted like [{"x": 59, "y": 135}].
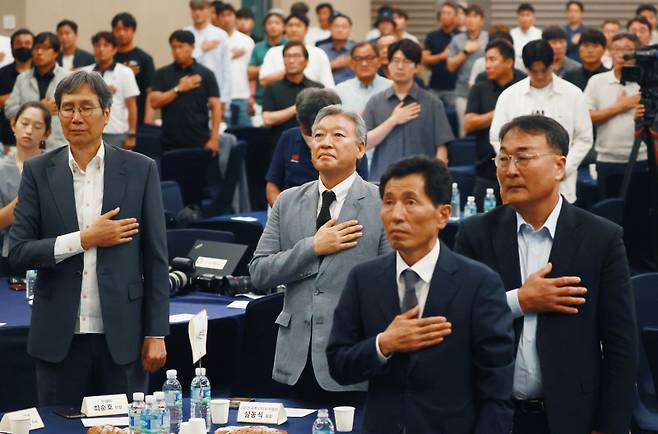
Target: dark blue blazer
[
  {"x": 588, "y": 360},
  {"x": 132, "y": 277},
  {"x": 80, "y": 58},
  {"x": 460, "y": 386}
]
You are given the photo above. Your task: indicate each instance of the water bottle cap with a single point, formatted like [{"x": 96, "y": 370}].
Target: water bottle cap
[
  {"x": 171, "y": 373},
  {"x": 138, "y": 396},
  {"x": 200, "y": 371},
  {"x": 489, "y": 190},
  {"x": 323, "y": 412},
  {"x": 471, "y": 199},
  {"x": 454, "y": 184},
  {"x": 159, "y": 395},
  {"x": 150, "y": 399}
]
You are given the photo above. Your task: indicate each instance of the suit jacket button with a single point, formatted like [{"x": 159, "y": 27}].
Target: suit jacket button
[{"x": 317, "y": 292}]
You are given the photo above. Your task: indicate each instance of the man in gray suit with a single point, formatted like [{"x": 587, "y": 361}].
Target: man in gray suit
[
  {"x": 89, "y": 218},
  {"x": 314, "y": 235}
]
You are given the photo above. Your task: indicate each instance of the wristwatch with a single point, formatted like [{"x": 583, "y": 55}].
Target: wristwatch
[
  {"x": 130, "y": 135},
  {"x": 176, "y": 90}
]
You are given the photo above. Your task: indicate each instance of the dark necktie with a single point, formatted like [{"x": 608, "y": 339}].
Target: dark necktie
[
  {"x": 328, "y": 197},
  {"x": 409, "y": 299}
]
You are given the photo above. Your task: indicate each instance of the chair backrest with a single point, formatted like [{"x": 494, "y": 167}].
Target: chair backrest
[
  {"x": 223, "y": 202},
  {"x": 254, "y": 377},
  {"x": 189, "y": 168},
  {"x": 180, "y": 241},
  {"x": 645, "y": 287},
  {"x": 611, "y": 209},
  {"x": 147, "y": 141},
  {"x": 172, "y": 198},
  {"x": 462, "y": 151}
]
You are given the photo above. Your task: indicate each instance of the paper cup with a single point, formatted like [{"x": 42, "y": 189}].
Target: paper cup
[
  {"x": 184, "y": 428},
  {"x": 197, "y": 426},
  {"x": 19, "y": 423},
  {"x": 344, "y": 418},
  {"x": 219, "y": 410}
]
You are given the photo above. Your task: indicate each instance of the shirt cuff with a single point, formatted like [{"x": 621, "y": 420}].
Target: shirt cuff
[
  {"x": 382, "y": 358},
  {"x": 67, "y": 245},
  {"x": 154, "y": 337},
  {"x": 513, "y": 303}
]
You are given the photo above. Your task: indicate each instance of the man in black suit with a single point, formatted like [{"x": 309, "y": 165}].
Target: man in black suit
[
  {"x": 429, "y": 328},
  {"x": 568, "y": 288},
  {"x": 89, "y": 218}
]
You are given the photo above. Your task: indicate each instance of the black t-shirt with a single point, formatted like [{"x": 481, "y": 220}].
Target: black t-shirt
[
  {"x": 144, "y": 77},
  {"x": 580, "y": 76},
  {"x": 43, "y": 81},
  {"x": 281, "y": 95},
  {"x": 482, "y": 99},
  {"x": 436, "y": 42},
  {"x": 8, "y": 76},
  {"x": 185, "y": 120}
]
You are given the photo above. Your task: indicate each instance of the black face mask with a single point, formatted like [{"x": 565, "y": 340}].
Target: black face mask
[{"x": 22, "y": 54}]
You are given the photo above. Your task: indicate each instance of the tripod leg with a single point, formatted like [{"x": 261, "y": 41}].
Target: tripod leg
[{"x": 642, "y": 136}]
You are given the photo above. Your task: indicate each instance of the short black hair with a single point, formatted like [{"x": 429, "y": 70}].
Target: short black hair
[
  {"x": 293, "y": 44},
  {"x": 474, "y": 9},
  {"x": 47, "y": 117},
  {"x": 217, "y": 6},
  {"x": 225, "y": 7},
  {"x": 639, "y": 19},
  {"x": 593, "y": 36},
  {"x": 538, "y": 50},
  {"x": 80, "y": 78},
  {"x": 553, "y": 32},
  {"x": 505, "y": 49},
  {"x": 402, "y": 13},
  {"x": 339, "y": 15},
  {"x": 450, "y": 4},
  {"x": 324, "y": 5},
  {"x": 577, "y": 3},
  {"x": 438, "y": 183},
  {"x": 310, "y": 101},
  {"x": 299, "y": 8},
  {"x": 499, "y": 34},
  {"x": 361, "y": 44},
  {"x": 182, "y": 36},
  {"x": 409, "y": 48},
  {"x": 125, "y": 18},
  {"x": 107, "y": 36},
  {"x": 301, "y": 17},
  {"x": 555, "y": 134},
  {"x": 18, "y": 33},
  {"x": 525, "y": 7},
  {"x": 72, "y": 24},
  {"x": 44, "y": 37},
  {"x": 646, "y": 7},
  {"x": 630, "y": 36},
  {"x": 245, "y": 13}
]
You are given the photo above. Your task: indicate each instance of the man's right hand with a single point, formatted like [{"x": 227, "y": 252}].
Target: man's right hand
[
  {"x": 404, "y": 113},
  {"x": 628, "y": 102},
  {"x": 210, "y": 44},
  {"x": 472, "y": 46},
  {"x": 106, "y": 232},
  {"x": 332, "y": 238},
  {"x": 542, "y": 294},
  {"x": 408, "y": 333},
  {"x": 189, "y": 82}
]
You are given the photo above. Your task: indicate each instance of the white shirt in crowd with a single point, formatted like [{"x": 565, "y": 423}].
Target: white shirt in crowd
[
  {"x": 614, "y": 137},
  {"x": 88, "y": 192},
  {"x": 340, "y": 190},
  {"x": 561, "y": 101},
  {"x": 218, "y": 60},
  {"x": 240, "y": 85},
  {"x": 122, "y": 81},
  {"x": 318, "y": 68},
  {"x": 5, "y": 48},
  {"x": 67, "y": 61},
  {"x": 315, "y": 34},
  {"x": 521, "y": 38}
]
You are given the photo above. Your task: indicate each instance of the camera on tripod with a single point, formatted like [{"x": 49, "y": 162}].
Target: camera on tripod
[{"x": 644, "y": 73}]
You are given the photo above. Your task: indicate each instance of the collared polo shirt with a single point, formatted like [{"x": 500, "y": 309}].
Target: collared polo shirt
[
  {"x": 185, "y": 120},
  {"x": 419, "y": 136},
  {"x": 340, "y": 74},
  {"x": 436, "y": 42},
  {"x": 464, "y": 72},
  {"x": 354, "y": 95},
  {"x": 143, "y": 60},
  {"x": 257, "y": 56}
]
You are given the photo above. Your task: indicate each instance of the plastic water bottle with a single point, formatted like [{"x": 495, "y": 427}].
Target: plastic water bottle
[
  {"x": 174, "y": 400},
  {"x": 164, "y": 412},
  {"x": 200, "y": 397},
  {"x": 135, "y": 412},
  {"x": 323, "y": 424},
  {"x": 455, "y": 203},
  {"x": 151, "y": 416},
  {"x": 489, "y": 200},
  {"x": 470, "y": 208},
  {"x": 30, "y": 283}
]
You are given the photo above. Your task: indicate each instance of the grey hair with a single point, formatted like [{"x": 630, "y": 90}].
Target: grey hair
[
  {"x": 78, "y": 79},
  {"x": 353, "y": 115}
]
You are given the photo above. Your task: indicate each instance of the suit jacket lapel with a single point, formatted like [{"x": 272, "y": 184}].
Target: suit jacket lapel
[
  {"x": 387, "y": 290},
  {"x": 61, "y": 187},
  {"x": 506, "y": 247},
  {"x": 308, "y": 209},
  {"x": 114, "y": 184}
]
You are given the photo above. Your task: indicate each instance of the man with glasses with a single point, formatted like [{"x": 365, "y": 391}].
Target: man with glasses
[
  {"x": 544, "y": 93},
  {"x": 89, "y": 219},
  {"x": 568, "y": 286},
  {"x": 614, "y": 107},
  {"x": 39, "y": 84},
  {"x": 405, "y": 120}
]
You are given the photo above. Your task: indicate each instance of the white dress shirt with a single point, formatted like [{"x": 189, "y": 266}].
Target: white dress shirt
[
  {"x": 561, "y": 101},
  {"x": 318, "y": 67},
  {"x": 534, "y": 251},
  {"x": 521, "y": 38},
  {"x": 218, "y": 60},
  {"x": 240, "y": 85},
  {"x": 340, "y": 190},
  {"x": 424, "y": 268},
  {"x": 88, "y": 190}
]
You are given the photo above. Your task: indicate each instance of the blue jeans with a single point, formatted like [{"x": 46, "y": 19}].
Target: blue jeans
[{"x": 238, "y": 115}]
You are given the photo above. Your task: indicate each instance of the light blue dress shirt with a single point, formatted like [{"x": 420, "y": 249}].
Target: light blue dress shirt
[{"x": 534, "y": 251}]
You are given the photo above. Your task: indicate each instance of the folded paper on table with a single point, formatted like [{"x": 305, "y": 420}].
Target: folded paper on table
[{"x": 100, "y": 421}]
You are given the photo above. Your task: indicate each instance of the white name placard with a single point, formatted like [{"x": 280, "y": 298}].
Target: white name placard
[
  {"x": 262, "y": 412},
  {"x": 197, "y": 331},
  {"x": 35, "y": 419},
  {"x": 104, "y": 405}
]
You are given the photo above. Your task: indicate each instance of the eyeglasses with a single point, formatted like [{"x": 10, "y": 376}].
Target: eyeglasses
[
  {"x": 293, "y": 56},
  {"x": 520, "y": 161},
  {"x": 361, "y": 59},
  {"x": 401, "y": 62},
  {"x": 69, "y": 112}
]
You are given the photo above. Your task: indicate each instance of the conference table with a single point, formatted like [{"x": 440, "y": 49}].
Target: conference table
[
  {"x": 225, "y": 329},
  {"x": 299, "y": 425}
]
